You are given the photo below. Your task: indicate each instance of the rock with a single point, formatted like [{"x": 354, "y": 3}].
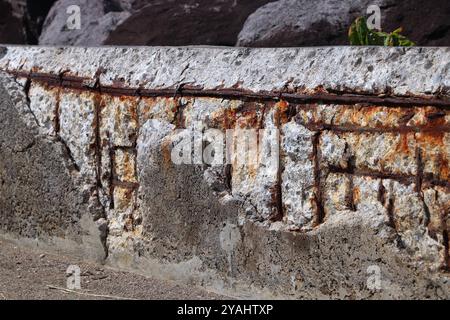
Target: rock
[
  {"x": 215, "y": 22},
  {"x": 21, "y": 20},
  {"x": 98, "y": 18},
  {"x": 127, "y": 22},
  {"x": 185, "y": 22},
  {"x": 36, "y": 12},
  {"x": 12, "y": 29},
  {"x": 298, "y": 175},
  {"x": 302, "y": 22}
]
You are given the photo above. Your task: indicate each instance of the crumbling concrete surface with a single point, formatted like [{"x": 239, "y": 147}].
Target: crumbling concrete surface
[{"x": 348, "y": 196}]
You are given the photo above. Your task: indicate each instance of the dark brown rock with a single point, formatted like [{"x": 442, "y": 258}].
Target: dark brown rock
[
  {"x": 11, "y": 27},
  {"x": 186, "y": 22},
  {"x": 21, "y": 21}
]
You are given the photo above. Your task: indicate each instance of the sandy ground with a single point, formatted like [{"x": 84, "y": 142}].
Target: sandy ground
[{"x": 30, "y": 274}]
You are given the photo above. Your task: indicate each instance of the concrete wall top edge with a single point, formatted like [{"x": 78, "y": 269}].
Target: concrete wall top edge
[{"x": 371, "y": 70}]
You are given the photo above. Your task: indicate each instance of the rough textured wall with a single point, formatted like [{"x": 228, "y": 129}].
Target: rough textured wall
[{"x": 362, "y": 181}]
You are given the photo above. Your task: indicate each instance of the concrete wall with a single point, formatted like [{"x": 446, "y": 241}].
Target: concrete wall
[{"x": 357, "y": 182}]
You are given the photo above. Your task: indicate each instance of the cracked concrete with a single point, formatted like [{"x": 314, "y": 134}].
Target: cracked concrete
[{"x": 335, "y": 189}]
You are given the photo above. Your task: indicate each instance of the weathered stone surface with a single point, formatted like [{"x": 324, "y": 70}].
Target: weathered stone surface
[
  {"x": 126, "y": 22},
  {"x": 159, "y": 108},
  {"x": 435, "y": 153},
  {"x": 298, "y": 188},
  {"x": 43, "y": 103},
  {"x": 438, "y": 203},
  {"x": 327, "y": 193},
  {"x": 98, "y": 18},
  {"x": 185, "y": 22},
  {"x": 258, "y": 23},
  {"x": 296, "y": 23},
  {"x": 118, "y": 121},
  {"x": 39, "y": 198},
  {"x": 338, "y": 193},
  {"x": 125, "y": 165},
  {"x": 334, "y": 150},
  {"x": 76, "y": 129},
  {"x": 255, "y": 165},
  {"x": 412, "y": 71},
  {"x": 290, "y": 23}
]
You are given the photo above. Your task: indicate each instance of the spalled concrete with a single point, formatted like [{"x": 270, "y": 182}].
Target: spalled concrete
[{"x": 342, "y": 199}]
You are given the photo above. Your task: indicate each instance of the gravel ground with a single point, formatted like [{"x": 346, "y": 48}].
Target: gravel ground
[{"x": 30, "y": 274}]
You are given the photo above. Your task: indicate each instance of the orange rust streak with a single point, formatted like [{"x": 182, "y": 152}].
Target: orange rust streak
[
  {"x": 283, "y": 111},
  {"x": 166, "y": 153},
  {"x": 444, "y": 168},
  {"x": 431, "y": 138},
  {"x": 403, "y": 146}
]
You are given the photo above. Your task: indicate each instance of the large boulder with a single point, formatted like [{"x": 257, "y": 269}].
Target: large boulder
[
  {"x": 36, "y": 12},
  {"x": 185, "y": 22},
  {"x": 302, "y": 22},
  {"x": 98, "y": 19},
  {"x": 149, "y": 22}
]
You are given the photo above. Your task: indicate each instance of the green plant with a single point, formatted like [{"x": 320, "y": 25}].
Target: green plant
[{"x": 360, "y": 35}]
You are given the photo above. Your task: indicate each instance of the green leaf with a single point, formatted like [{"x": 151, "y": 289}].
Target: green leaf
[{"x": 360, "y": 35}]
